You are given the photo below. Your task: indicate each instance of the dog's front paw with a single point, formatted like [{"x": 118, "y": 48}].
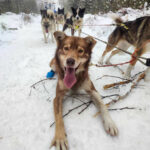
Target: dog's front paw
[
  {"x": 60, "y": 143},
  {"x": 110, "y": 127}
]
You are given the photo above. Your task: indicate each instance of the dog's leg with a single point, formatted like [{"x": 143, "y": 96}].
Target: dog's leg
[
  {"x": 79, "y": 32},
  {"x": 45, "y": 39},
  {"x": 52, "y": 37},
  {"x": 108, "y": 49},
  {"x": 72, "y": 32},
  {"x": 47, "y": 36},
  {"x": 112, "y": 42},
  {"x": 112, "y": 54},
  {"x": 108, "y": 123},
  {"x": 57, "y": 27},
  {"x": 122, "y": 45},
  {"x": 133, "y": 62},
  {"x": 60, "y": 140}
]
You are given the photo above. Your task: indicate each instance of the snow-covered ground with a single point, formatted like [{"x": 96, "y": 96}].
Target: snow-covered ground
[{"x": 25, "y": 119}]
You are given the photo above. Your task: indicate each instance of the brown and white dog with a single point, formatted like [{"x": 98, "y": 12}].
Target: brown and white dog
[
  {"x": 133, "y": 33},
  {"x": 48, "y": 24},
  {"x": 71, "y": 63}
]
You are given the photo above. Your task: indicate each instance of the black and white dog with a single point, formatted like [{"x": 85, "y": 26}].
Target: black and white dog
[
  {"x": 75, "y": 20},
  {"x": 60, "y": 17},
  {"x": 48, "y": 24}
]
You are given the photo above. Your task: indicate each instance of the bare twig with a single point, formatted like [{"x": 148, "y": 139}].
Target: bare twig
[
  {"x": 134, "y": 76},
  {"x": 109, "y": 96},
  {"x": 116, "y": 84},
  {"x": 122, "y": 82},
  {"x": 44, "y": 87},
  {"x": 79, "y": 100},
  {"x": 124, "y": 108},
  {"x": 33, "y": 85},
  {"x": 49, "y": 99},
  {"x": 112, "y": 76},
  {"x": 70, "y": 110},
  {"x": 90, "y": 102},
  {"x": 134, "y": 84},
  {"x": 83, "y": 103}
]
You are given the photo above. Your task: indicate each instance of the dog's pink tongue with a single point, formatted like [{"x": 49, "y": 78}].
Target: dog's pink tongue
[
  {"x": 46, "y": 30},
  {"x": 70, "y": 79}
]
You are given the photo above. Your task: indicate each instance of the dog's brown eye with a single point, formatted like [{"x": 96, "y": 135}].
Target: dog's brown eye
[
  {"x": 66, "y": 48},
  {"x": 80, "y": 51}
]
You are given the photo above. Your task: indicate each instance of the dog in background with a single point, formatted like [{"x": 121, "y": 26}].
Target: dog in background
[
  {"x": 75, "y": 21},
  {"x": 71, "y": 63},
  {"x": 48, "y": 24},
  {"x": 134, "y": 33},
  {"x": 60, "y": 17}
]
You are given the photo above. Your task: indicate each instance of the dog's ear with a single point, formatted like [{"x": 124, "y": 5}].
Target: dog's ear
[
  {"x": 73, "y": 10},
  {"x": 59, "y": 36},
  {"x": 82, "y": 10},
  {"x": 58, "y": 10},
  {"x": 90, "y": 41}
]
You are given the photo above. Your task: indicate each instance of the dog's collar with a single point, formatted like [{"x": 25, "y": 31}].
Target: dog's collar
[{"x": 76, "y": 27}]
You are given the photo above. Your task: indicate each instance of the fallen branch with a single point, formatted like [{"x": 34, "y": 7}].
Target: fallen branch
[
  {"x": 69, "y": 111},
  {"x": 90, "y": 102},
  {"x": 124, "y": 108},
  {"x": 110, "y": 96},
  {"x": 111, "y": 76},
  {"x": 107, "y": 86},
  {"x": 134, "y": 84},
  {"x": 83, "y": 104},
  {"x": 116, "y": 84},
  {"x": 33, "y": 85}
]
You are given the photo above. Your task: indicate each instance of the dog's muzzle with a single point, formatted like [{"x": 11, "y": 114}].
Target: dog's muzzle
[{"x": 77, "y": 18}]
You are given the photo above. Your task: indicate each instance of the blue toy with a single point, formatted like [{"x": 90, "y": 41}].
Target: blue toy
[{"x": 50, "y": 74}]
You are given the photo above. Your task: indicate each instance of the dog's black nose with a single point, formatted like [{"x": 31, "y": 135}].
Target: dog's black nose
[
  {"x": 70, "y": 61},
  {"x": 77, "y": 18}
]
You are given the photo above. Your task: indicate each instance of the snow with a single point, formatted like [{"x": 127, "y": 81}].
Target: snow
[{"x": 25, "y": 119}]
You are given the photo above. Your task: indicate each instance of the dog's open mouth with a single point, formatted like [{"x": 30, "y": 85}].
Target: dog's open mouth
[
  {"x": 70, "y": 78},
  {"x": 46, "y": 29}
]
